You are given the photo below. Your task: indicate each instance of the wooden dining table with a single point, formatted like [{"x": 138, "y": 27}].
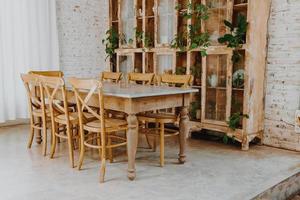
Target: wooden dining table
[{"x": 133, "y": 99}]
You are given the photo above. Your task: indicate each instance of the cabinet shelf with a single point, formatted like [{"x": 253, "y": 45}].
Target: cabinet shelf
[
  {"x": 217, "y": 88},
  {"x": 240, "y": 6},
  {"x": 238, "y": 89}
]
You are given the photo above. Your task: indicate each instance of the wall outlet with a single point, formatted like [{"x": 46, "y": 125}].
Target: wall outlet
[{"x": 297, "y": 121}]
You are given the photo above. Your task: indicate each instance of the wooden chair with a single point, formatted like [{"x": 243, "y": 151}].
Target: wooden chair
[
  {"x": 160, "y": 119},
  {"x": 111, "y": 76},
  {"x": 61, "y": 115},
  {"x": 48, "y": 73},
  {"x": 100, "y": 130},
  {"x": 59, "y": 74},
  {"x": 143, "y": 78},
  {"x": 38, "y": 112}
]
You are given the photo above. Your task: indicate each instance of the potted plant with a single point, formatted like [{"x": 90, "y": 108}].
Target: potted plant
[
  {"x": 196, "y": 72},
  {"x": 237, "y": 36}
]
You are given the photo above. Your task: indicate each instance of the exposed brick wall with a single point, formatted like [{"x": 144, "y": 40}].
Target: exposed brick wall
[
  {"x": 283, "y": 75},
  {"x": 81, "y": 27}
]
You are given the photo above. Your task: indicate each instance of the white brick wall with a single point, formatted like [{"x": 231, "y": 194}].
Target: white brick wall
[
  {"x": 283, "y": 75},
  {"x": 82, "y": 24},
  {"x": 81, "y": 27}
]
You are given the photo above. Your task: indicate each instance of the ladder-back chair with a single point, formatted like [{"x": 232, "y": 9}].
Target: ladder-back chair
[
  {"x": 48, "y": 73},
  {"x": 100, "y": 131},
  {"x": 111, "y": 76},
  {"x": 143, "y": 78},
  {"x": 55, "y": 92},
  {"x": 37, "y": 110},
  {"x": 160, "y": 119}
]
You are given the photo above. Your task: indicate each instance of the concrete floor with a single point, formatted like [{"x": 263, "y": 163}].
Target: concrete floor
[{"x": 213, "y": 171}]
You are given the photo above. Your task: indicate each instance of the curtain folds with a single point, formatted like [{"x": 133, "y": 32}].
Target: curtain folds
[{"x": 28, "y": 41}]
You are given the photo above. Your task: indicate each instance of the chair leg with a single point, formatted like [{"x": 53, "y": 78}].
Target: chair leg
[
  {"x": 58, "y": 131},
  {"x": 162, "y": 144},
  {"x": 82, "y": 151},
  {"x": 99, "y": 144},
  {"x": 31, "y": 136},
  {"x": 70, "y": 144},
  {"x": 147, "y": 137},
  {"x": 154, "y": 141},
  {"x": 53, "y": 145},
  {"x": 110, "y": 152},
  {"x": 103, "y": 158},
  {"x": 44, "y": 136}
]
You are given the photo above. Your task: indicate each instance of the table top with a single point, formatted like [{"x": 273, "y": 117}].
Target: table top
[{"x": 138, "y": 91}]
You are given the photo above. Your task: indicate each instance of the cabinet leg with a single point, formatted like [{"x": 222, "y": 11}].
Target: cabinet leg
[{"x": 245, "y": 143}]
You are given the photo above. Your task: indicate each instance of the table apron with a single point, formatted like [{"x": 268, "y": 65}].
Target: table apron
[{"x": 137, "y": 105}]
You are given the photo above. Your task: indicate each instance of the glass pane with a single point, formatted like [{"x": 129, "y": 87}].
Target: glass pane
[
  {"x": 127, "y": 16},
  {"x": 165, "y": 63},
  {"x": 166, "y": 11},
  {"x": 238, "y": 77},
  {"x": 216, "y": 87},
  {"x": 126, "y": 64},
  {"x": 215, "y": 24}
]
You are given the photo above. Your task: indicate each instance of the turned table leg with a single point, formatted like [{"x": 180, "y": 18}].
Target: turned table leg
[
  {"x": 183, "y": 132},
  {"x": 132, "y": 140}
]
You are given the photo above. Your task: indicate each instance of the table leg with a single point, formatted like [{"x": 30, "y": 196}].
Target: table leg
[
  {"x": 184, "y": 130},
  {"x": 132, "y": 140}
]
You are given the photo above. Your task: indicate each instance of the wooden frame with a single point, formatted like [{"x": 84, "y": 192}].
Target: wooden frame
[{"x": 254, "y": 50}]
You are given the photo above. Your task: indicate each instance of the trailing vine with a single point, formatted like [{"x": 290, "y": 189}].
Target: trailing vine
[
  {"x": 141, "y": 36},
  {"x": 236, "y": 38},
  {"x": 234, "y": 120},
  {"x": 111, "y": 42},
  {"x": 197, "y": 39}
]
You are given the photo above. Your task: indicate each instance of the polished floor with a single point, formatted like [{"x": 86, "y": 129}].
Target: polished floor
[{"x": 213, "y": 171}]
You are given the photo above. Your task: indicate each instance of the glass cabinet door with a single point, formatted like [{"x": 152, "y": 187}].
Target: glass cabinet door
[
  {"x": 165, "y": 22},
  {"x": 128, "y": 22},
  {"x": 126, "y": 63},
  {"x": 217, "y": 70},
  {"x": 164, "y": 63},
  {"x": 219, "y": 10}
]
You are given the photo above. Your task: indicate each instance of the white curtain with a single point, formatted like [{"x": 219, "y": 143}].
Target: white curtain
[{"x": 28, "y": 41}]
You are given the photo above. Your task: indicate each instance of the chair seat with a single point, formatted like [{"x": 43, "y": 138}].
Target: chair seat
[
  {"x": 111, "y": 125},
  {"x": 73, "y": 116},
  {"x": 39, "y": 112},
  {"x": 158, "y": 117}
]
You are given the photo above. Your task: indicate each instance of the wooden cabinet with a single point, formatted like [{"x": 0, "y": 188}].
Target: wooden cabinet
[{"x": 148, "y": 27}]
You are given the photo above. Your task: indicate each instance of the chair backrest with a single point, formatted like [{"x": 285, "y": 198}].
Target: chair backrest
[
  {"x": 175, "y": 80},
  {"x": 48, "y": 73},
  {"x": 51, "y": 88},
  {"x": 31, "y": 83},
  {"x": 144, "y": 78},
  {"x": 111, "y": 76},
  {"x": 84, "y": 89}
]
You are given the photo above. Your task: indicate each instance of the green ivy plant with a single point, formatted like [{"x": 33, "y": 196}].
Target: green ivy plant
[
  {"x": 143, "y": 37},
  {"x": 233, "y": 123},
  {"x": 180, "y": 70},
  {"x": 194, "y": 34},
  {"x": 111, "y": 42},
  {"x": 234, "y": 120},
  {"x": 193, "y": 109},
  {"x": 236, "y": 38}
]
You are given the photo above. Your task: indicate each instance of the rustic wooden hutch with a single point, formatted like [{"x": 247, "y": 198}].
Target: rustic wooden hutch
[{"x": 217, "y": 98}]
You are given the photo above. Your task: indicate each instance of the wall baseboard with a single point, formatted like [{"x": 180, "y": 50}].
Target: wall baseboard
[{"x": 14, "y": 122}]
